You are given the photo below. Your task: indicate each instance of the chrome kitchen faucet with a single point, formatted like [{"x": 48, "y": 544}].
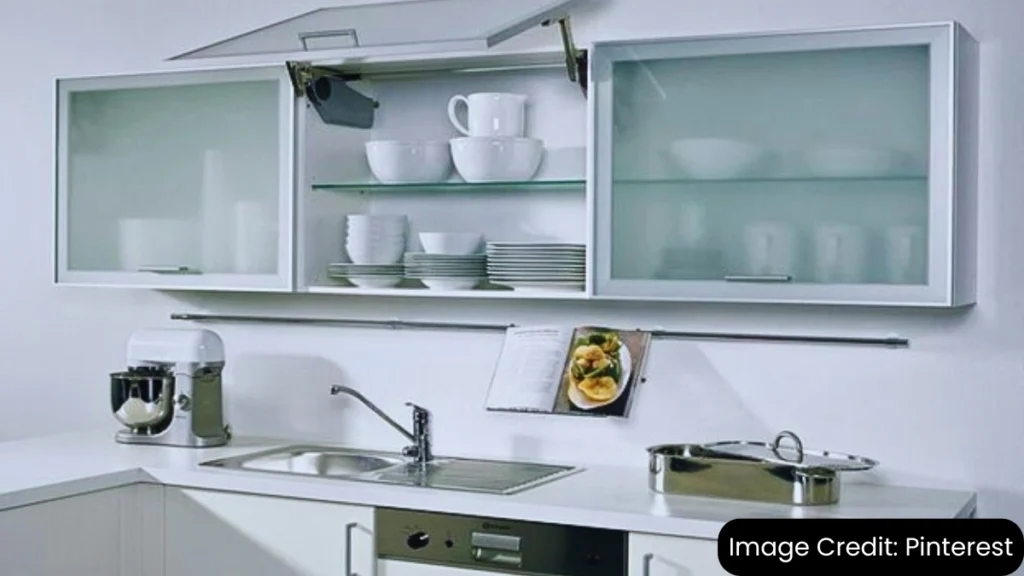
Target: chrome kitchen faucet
[{"x": 420, "y": 435}]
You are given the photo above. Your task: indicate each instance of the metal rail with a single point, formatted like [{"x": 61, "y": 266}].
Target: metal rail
[{"x": 892, "y": 341}]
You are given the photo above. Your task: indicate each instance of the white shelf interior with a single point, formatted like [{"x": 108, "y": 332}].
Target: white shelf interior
[{"x": 416, "y": 109}]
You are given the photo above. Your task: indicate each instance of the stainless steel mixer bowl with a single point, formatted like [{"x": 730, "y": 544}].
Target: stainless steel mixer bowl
[{"x": 154, "y": 388}]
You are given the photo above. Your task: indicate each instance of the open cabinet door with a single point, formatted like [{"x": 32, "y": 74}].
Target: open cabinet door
[{"x": 404, "y": 27}]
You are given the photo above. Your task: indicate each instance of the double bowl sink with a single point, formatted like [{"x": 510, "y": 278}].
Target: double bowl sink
[{"x": 462, "y": 474}]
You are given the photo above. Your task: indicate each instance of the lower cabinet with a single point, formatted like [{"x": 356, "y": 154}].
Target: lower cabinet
[
  {"x": 67, "y": 537},
  {"x": 651, "y": 555},
  {"x": 208, "y": 532}
]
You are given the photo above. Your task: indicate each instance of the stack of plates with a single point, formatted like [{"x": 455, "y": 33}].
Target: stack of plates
[
  {"x": 446, "y": 271},
  {"x": 537, "y": 265},
  {"x": 368, "y": 275}
]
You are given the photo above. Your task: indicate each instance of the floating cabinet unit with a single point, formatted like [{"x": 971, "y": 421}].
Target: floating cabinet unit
[{"x": 820, "y": 167}]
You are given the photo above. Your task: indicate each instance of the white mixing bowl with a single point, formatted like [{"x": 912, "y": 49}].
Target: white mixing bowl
[
  {"x": 409, "y": 162},
  {"x": 497, "y": 159},
  {"x": 716, "y": 158}
]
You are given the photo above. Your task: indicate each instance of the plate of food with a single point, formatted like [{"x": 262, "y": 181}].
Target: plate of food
[{"x": 598, "y": 370}]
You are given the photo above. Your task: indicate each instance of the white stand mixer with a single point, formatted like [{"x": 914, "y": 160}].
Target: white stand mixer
[{"x": 171, "y": 393}]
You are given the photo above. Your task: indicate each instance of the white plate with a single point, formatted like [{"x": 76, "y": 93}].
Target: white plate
[
  {"x": 365, "y": 271},
  {"x": 446, "y": 271},
  {"x": 440, "y": 275},
  {"x": 376, "y": 281},
  {"x": 530, "y": 286},
  {"x": 536, "y": 260},
  {"x": 500, "y": 251},
  {"x": 536, "y": 245},
  {"x": 451, "y": 283},
  {"x": 538, "y": 266},
  {"x": 543, "y": 273},
  {"x": 583, "y": 403}
]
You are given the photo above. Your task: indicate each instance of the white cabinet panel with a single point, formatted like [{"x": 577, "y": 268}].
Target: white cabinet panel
[
  {"x": 825, "y": 167},
  {"x": 176, "y": 180},
  {"x": 68, "y": 537},
  {"x": 224, "y": 533},
  {"x": 651, "y": 555}
]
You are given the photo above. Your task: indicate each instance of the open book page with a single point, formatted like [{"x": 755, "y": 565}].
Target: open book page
[{"x": 529, "y": 369}]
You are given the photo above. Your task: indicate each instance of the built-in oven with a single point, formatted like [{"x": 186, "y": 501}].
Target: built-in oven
[{"x": 414, "y": 543}]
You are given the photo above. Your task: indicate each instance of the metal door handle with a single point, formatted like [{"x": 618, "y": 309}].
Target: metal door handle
[
  {"x": 763, "y": 278},
  {"x": 170, "y": 270},
  {"x": 348, "y": 548},
  {"x": 648, "y": 558},
  {"x": 322, "y": 40}
]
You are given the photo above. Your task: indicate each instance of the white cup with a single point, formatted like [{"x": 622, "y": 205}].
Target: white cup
[
  {"x": 771, "y": 249},
  {"x": 840, "y": 253},
  {"x": 690, "y": 230},
  {"x": 905, "y": 255},
  {"x": 493, "y": 114}
]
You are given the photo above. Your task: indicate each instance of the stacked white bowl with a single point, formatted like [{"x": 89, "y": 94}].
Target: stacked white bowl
[{"x": 376, "y": 239}]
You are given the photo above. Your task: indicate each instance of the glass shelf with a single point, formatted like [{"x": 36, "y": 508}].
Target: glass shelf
[
  {"x": 769, "y": 180},
  {"x": 539, "y": 185}
]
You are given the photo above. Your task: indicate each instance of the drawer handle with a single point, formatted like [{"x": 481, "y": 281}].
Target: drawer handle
[
  {"x": 170, "y": 270},
  {"x": 765, "y": 278},
  {"x": 348, "y": 548},
  {"x": 648, "y": 558}
]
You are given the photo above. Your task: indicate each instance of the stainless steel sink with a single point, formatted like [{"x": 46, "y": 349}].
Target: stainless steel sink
[
  {"x": 316, "y": 461},
  {"x": 462, "y": 474}
]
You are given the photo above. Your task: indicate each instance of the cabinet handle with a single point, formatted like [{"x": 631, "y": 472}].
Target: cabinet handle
[
  {"x": 648, "y": 558},
  {"x": 765, "y": 278},
  {"x": 170, "y": 270},
  {"x": 348, "y": 548}
]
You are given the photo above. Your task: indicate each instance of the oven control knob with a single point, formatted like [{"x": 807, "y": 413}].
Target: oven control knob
[
  {"x": 418, "y": 540},
  {"x": 184, "y": 403}
]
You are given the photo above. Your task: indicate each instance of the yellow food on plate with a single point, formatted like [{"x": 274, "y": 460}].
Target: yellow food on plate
[{"x": 601, "y": 389}]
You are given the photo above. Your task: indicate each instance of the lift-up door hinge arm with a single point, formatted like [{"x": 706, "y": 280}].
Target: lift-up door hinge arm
[
  {"x": 576, "y": 64},
  {"x": 329, "y": 93}
]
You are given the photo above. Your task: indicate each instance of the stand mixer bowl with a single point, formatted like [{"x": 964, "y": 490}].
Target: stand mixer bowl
[{"x": 141, "y": 398}]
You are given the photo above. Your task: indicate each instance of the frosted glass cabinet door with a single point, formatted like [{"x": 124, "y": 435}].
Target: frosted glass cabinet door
[
  {"x": 828, "y": 167},
  {"x": 176, "y": 180}
]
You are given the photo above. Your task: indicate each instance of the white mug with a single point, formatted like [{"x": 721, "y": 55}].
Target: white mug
[
  {"x": 493, "y": 114},
  {"x": 841, "y": 251},
  {"x": 905, "y": 255},
  {"x": 771, "y": 249}
]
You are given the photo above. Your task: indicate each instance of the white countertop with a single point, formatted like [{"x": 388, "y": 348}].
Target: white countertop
[{"x": 53, "y": 467}]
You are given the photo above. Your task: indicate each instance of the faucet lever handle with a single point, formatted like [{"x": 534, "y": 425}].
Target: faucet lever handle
[{"x": 417, "y": 409}]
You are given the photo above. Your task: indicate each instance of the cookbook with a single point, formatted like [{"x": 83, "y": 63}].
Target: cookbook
[{"x": 584, "y": 370}]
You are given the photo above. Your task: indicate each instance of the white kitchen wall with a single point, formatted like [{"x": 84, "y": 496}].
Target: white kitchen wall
[{"x": 946, "y": 412}]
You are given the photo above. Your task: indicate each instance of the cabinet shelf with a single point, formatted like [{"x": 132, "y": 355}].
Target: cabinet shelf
[
  {"x": 768, "y": 180},
  {"x": 533, "y": 185},
  {"x": 485, "y": 294}
]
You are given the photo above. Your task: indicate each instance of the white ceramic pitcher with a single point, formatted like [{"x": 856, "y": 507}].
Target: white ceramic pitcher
[{"x": 490, "y": 114}]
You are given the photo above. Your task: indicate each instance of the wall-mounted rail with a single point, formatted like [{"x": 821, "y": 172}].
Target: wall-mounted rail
[{"x": 890, "y": 341}]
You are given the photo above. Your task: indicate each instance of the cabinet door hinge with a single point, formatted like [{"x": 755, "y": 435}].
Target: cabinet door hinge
[
  {"x": 576, "y": 60},
  {"x": 328, "y": 92}
]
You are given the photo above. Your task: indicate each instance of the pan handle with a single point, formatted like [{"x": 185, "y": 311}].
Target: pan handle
[{"x": 798, "y": 446}]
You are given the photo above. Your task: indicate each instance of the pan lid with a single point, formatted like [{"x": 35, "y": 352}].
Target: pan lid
[{"x": 787, "y": 449}]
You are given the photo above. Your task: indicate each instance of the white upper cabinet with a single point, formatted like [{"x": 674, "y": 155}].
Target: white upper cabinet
[
  {"x": 833, "y": 167},
  {"x": 402, "y": 28},
  {"x": 177, "y": 180}
]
